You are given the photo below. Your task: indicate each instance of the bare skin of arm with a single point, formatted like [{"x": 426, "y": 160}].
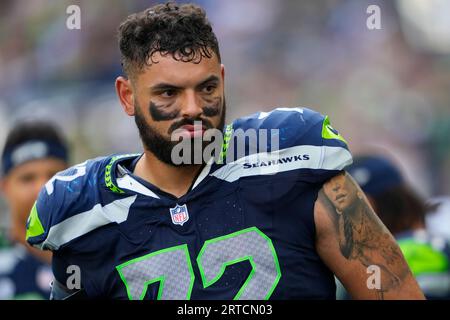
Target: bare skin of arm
[{"x": 352, "y": 241}]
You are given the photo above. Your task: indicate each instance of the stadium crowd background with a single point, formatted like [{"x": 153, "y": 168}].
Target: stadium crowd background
[{"x": 387, "y": 88}]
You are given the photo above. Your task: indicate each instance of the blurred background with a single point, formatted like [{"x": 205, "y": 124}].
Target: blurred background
[{"x": 387, "y": 88}]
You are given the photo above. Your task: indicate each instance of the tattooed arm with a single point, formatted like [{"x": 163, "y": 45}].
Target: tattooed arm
[{"x": 351, "y": 240}]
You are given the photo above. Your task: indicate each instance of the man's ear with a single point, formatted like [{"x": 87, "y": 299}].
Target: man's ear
[
  {"x": 222, "y": 73},
  {"x": 125, "y": 93},
  {"x": 222, "y": 69}
]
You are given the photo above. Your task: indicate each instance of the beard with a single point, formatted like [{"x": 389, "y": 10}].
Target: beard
[{"x": 162, "y": 147}]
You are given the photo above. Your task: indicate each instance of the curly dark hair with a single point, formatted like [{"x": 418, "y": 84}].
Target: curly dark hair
[{"x": 180, "y": 30}]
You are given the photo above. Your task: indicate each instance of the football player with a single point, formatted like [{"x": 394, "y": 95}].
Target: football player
[{"x": 274, "y": 222}]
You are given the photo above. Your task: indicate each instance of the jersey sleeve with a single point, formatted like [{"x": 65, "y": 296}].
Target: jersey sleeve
[
  {"x": 53, "y": 219},
  {"x": 292, "y": 141}
]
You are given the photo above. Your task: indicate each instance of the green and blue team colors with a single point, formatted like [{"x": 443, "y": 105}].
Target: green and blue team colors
[
  {"x": 245, "y": 230},
  {"x": 428, "y": 256}
]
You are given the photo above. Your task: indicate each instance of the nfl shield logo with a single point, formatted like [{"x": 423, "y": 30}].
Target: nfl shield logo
[{"x": 179, "y": 214}]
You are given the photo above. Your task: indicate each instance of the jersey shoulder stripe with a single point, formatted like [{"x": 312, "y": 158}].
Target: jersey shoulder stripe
[
  {"x": 73, "y": 203},
  {"x": 295, "y": 126}
]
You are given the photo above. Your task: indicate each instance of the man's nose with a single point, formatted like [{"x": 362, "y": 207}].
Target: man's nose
[{"x": 191, "y": 105}]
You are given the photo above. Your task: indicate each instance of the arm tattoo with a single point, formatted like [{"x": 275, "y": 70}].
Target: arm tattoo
[{"x": 360, "y": 233}]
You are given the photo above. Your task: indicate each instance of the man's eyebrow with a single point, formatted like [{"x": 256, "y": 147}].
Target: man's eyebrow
[
  {"x": 167, "y": 86},
  {"x": 164, "y": 86}
]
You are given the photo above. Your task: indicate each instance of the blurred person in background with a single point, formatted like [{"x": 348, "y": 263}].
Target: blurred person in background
[
  {"x": 404, "y": 211},
  {"x": 34, "y": 151},
  {"x": 3, "y": 240},
  {"x": 438, "y": 216}
]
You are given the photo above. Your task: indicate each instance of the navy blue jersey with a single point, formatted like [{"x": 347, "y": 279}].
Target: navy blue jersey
[
  {"x": 245, "y": 229},
  {"x": 22, "y": 275}
]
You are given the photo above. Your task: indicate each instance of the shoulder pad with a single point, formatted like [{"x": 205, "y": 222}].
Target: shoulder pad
[
  {"x": 71, "y": 204},
  {"x": 285, "y": 139}
]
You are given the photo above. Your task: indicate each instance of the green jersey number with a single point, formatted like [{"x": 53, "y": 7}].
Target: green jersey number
[{"x": 172, "y": 267}]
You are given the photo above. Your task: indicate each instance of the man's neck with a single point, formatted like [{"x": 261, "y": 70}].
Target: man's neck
[{"x": 171, "y": 179}]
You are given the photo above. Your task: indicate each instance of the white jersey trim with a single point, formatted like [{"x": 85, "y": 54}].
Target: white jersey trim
[
  {"x": 129, "y": 183},
  {"x": 82, "y": 223},
  {"x": 298, "y": 157}
]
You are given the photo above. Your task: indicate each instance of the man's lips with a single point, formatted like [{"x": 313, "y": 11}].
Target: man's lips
[
  {"x": 192, "y": 131},
  {"x": 192, "y": 128},
  {"x": 340, "y": 196}
]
